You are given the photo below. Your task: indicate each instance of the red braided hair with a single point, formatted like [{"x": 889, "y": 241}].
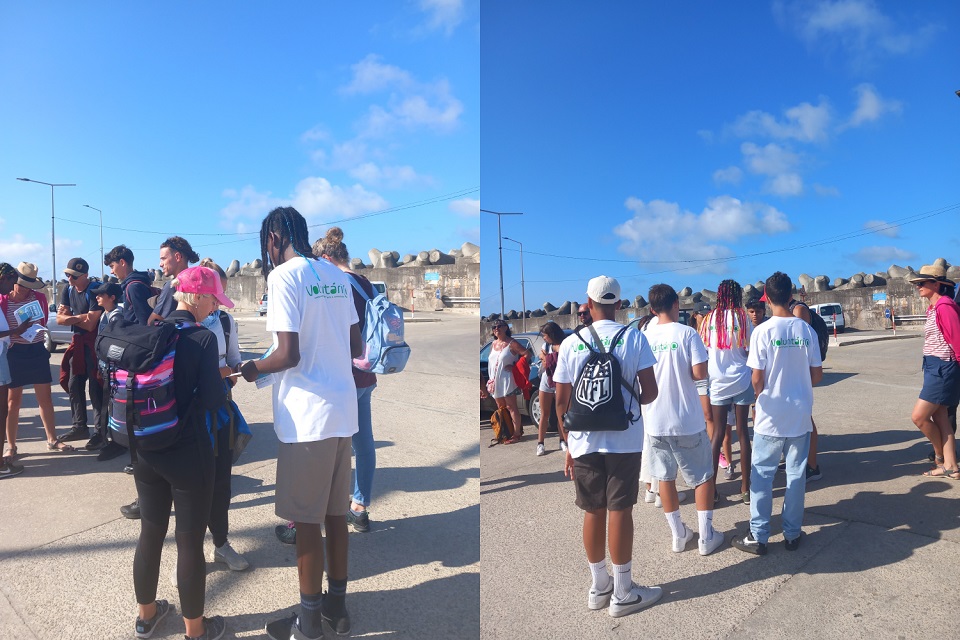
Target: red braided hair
[{"x": 729, "y": 298}]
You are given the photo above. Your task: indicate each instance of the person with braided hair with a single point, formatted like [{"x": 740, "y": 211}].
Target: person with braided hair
[
  {"x": 726, "y": 333},
  {"x": 316, "y": 335}
]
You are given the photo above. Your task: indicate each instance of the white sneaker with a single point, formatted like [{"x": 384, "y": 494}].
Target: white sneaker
[
  {"x": 681, "y": 496},
  {"x": 229, "y": 557},
  {"x": 541, "y": 451},
  {"x": 650, "y": 496},
  {"x": 679, "y": 544},
  {"x": 712, "y": 544},
  {"x": 597, "y": 600},
  {"x": 657, "y": 502},
  {"x": 639, "y": 598}
]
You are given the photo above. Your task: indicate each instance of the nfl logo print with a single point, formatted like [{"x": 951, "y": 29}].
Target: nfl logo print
[{"x": 595, "y": 384}]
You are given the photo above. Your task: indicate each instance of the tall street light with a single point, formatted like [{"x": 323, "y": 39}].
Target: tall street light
[
  {"x": 523, "y": 288},
  {"x": 101, "y": 239},
  {"x": 53, "y": 236},
  {"x": 500, "y": 214}
]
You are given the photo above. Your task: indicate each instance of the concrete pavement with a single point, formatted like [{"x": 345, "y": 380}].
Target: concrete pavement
[
  {"x": 66, "y": 553},
  {"x": 877, "y": 561}
]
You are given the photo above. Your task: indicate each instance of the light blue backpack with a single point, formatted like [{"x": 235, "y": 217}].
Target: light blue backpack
[{"x": 384, "y": 350}]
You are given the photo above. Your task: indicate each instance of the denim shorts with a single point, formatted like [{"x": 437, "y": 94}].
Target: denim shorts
[
  {"x": 691, "y": 455},
  {"x": 941, "y": 381},
  {"x": 4, "y": 366},
  {"x": 745, "y": 397}
]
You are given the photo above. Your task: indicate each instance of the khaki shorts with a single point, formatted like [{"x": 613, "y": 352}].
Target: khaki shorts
[
  {"x": 313, "y": 480},
  {"x": 607, "y": 480}
]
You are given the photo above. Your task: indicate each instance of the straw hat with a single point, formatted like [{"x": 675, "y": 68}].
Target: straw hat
[
  {"x": 28, "y": 276},
  {"x": 932, "y": 272}
]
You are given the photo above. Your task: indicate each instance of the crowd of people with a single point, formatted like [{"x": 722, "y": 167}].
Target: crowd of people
[
  {"x": 321, "y": 406},
  {"x": 688, "y": 377}
]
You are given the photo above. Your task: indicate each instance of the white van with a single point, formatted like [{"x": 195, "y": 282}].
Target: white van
[{"x": 827, "y": 311}]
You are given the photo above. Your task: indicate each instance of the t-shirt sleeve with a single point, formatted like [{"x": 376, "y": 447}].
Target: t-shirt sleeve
[
  {"x": 233, "y": 344},
  {"x": 756, "y": 359},
  {"x": 646, "y": 359},
  {"x": 698, "y": 352},
  {"x": 65, "y": 297},
  {"x": 564, "y": 372},
  {"x": 813, "y": 351},
  {"x": 283, "y": 312}
]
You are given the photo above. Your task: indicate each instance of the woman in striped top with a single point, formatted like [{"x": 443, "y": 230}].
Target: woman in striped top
[{"x": 941, "y": 370}]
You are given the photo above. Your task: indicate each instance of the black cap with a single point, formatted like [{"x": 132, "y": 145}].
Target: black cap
[
  {"x": 110, "y": 289},
  {"x": 753, "y": 300},
  {"x": 77, "y": 267}
]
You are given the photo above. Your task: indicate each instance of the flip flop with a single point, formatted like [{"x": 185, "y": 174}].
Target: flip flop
[{"x": 59, "y": 447}]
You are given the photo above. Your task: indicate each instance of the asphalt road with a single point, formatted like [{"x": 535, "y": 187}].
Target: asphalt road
[
  {"x": 66, "y": 553},
  {"x": 878, "y": 560}
]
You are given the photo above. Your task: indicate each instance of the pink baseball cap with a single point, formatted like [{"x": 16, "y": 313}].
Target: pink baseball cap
[{"x": 202, "y": 280}]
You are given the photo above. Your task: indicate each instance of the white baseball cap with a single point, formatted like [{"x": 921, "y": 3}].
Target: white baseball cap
[{"x": 604, "y": 290}]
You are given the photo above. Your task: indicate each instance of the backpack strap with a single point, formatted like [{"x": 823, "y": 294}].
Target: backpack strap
[
  {"x": 131, "y": 414},
  {"x": 225, "y": 323},
  {"x": 355, "y": 281}
]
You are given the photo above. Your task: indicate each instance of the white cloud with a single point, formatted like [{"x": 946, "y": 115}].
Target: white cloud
[
  {"x": 769, "y": 160},
  {"x": 661, "y": 230},
  {"x": 871, "y": 106},
  {"x": 465, "y": 207},
  {"x": 731, "y": 175},
  {"x": 18, "y": 249},
  {"x": 882, "y": 228},
  {"x": 785, "y": 184},
  {"x": 825, "y": 191},
  {"x": 435, "y": 108},
  {"x": 370, "y": 75},
  {"x": 313, "y": 197},
  {"x": 318, "y": 133},
  {"x": 443, "y": 15},
  {"x": 804, "y": 122},
  {"x": 882, "y": 255},
  {"x": 388, "y": 176},
  {"x": 68, "y": 244},
  {"x": 856, "y": 27}
]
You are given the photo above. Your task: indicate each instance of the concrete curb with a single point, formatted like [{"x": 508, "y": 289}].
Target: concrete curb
[{"x": 847, "y": 343}]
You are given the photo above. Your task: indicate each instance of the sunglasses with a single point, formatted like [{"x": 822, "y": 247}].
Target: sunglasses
[
  {"x": 72, "y": 277},
  {"x": 583, "y": 313}
]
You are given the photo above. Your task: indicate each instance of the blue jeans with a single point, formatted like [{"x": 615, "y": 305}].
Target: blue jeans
[
  {"x": 364, "y": 450},
  {"x": 766, "y": 459}
]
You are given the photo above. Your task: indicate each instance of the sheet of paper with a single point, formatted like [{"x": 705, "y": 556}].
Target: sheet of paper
[{"x": 32, "y": 332}]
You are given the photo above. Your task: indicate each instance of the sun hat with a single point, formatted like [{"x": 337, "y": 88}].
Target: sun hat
[
  {"x": 604, "y": 290},
  {"x": 932, "y": 272},
  {"x": 201, "y": 280},
  {"x": 28, "y": 276}
]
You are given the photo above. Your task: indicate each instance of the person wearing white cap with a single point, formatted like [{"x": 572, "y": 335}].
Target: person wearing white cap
[{"x": 605, "y": 464}]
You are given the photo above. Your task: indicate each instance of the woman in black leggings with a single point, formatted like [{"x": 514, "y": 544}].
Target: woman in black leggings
[{"x": 183, "y": 473}]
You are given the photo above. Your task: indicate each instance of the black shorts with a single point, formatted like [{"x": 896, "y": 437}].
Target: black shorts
[
  {"x": 29, "y": 365},
  {"x": 607, "y": 480}
]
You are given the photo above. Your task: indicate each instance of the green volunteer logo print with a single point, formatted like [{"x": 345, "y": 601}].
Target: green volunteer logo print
[
  {"x": 665, "y": 346},
  {"x": 606, "y": 344},
  {"x": 320, "y": 291},
  {"x": 789, "y": 343}
]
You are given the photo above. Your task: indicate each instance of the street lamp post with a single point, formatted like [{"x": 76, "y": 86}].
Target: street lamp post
[
  {"x": 101, "y": 239},
  {"x": 523, "y": 288},
  {"x": 499, "y": 214},
  {"x": 53, "y": 236}
]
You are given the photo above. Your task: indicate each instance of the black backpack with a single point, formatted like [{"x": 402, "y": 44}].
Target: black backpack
[
  {"x": 596, "y": 403},
  {"x": 819, "y": 326}
]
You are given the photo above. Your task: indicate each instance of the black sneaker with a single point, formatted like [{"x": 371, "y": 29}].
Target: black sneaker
[
  {"x": 8, "y": 470},
  {"x": 76, "y": 433},
  {"x": 359, "y": 520},
  {"x": 750, "y": 545},
  {"x": 213, "y": 629},
  {"x": 286, "y": 533},
  {"x": 110, "y": 451},
  {"x": 793, "y": 545},
  {"x": 94, "y": 443},
  {"x": 339, "y": 621},
  {"x": 813, "y": 473},
  {"x": 287, "y": 629},
  {"x": 132, "y": 510},
  {"x": 145, "y": 628}
]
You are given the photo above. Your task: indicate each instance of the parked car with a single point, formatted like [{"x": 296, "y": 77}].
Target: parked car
[
  {"x": 379, "y": 286},
  {"x": 827, "y": 311},
  {"x": 530, "y": 408},
  {"x": 262, "y": 306},
  {"x": 56, "y": 335}
]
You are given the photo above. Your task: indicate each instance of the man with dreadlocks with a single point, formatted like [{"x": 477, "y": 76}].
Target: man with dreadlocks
[
  {"x": 316, "y": 335},
  {"x": 726, "y": 334}
]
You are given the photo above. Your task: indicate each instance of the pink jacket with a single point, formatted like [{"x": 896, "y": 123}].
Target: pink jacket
[{"x": 947, "y": 315}]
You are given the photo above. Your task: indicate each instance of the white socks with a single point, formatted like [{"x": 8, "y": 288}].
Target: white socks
[
  {"x": 601, "y": 579},
  {"x": 676, "y": 524},
  {"x": 705, "y": 520},
  {"x": 622, "y": 580}
]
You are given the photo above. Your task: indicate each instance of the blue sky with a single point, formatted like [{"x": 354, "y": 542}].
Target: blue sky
[
  {"x": 638, "y": 137},
  {"x": 197, "y": 118}
]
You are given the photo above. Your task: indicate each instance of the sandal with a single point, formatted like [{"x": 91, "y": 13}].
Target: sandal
[
  {"x": 10, "y": 453},
  {"x": 944, "y": 472},
  {"x": 59, "y": 446},
  {"x": 953, "y": 474}
]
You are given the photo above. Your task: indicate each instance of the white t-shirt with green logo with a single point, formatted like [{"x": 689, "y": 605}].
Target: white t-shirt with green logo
[
  {"x": 677, "y": 410},
  {"x": 633, "y": 353},
  {"x": 729, "y": 375},
  {"x": 316, "y": 399},
  {"x": 785, "y": 348}
]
